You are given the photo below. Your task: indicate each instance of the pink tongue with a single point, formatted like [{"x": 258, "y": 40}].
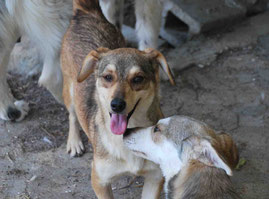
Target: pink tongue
[{"x": 118, "y": 123}]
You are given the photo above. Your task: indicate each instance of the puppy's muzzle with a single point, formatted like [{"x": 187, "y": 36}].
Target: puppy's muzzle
[{"x": 118, "y": 105}]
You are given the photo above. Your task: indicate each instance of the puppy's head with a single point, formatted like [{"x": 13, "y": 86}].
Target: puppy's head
[
  {"x": 126, "y": 80},
  {"x": 172, "y": 142}
]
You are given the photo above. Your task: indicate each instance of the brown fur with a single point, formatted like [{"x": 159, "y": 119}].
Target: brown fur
[
  {"x": 199, "y": 181},
  {"x": 227, "y": 148},
  {"x": 87, "y": 97}
]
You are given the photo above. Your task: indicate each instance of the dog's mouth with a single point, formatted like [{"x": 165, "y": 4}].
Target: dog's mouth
[{"x": 119, "y": 122}]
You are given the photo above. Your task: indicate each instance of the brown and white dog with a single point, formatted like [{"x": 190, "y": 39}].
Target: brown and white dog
[
  {"x": 107, "y": 88},
  {"x": 195, "y": 161},
  {"x": 45, "y": 22}
]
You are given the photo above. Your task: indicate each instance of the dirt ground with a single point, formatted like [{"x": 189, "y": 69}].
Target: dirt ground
[{"x": 231, "y": 93}]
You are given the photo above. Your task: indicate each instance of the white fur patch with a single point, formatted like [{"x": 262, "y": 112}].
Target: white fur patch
[
  {"x": 163, "y": 153},
  {"x": 110, "y": 67},
  {"x": 165, "y": 121},
  {"x": 134, "y": 69}
]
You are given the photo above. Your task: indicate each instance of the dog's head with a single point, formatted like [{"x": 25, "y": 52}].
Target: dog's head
[
  {"x": 172, "y": 142},
  {"x": 126, "y": 80}
]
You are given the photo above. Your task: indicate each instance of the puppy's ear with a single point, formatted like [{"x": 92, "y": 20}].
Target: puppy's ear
[
  {"x": 90, "y": 63},
  {"x": 203, "y": 147},
  {"x": 225, "y": 145},
  {"x": 155, "y": 54}
]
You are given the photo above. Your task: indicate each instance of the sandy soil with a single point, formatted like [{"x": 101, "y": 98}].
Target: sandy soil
[{"x": 230, "y": 94}]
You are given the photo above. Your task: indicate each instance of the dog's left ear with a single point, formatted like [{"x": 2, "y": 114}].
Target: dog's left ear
[
  {"x": 162, "y": 61},
  {"x": 202, "y": 145},
  {"x": 90, "y": 63}
]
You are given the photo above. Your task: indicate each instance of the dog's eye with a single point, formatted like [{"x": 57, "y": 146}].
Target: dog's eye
[
  {"x": 156, "y": 129},
  {"x": 138, "y": 79},
  {"x": 108, "y": 78}
]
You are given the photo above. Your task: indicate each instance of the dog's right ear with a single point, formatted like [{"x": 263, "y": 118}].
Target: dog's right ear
[
  {"x": 162, "y": 62},
  {"x": 90, "y": 63},
  {"x": 202, "y": 147}
]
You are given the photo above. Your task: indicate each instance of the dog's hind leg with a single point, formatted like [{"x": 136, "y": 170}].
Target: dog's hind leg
[
  {"x": 51, "y": 76},
  {"x": 74, "y": 146},
  {"x": 74, "y": 143},
  {"x": 148, "y": 22},
  {"x": 113, "y": 11}
]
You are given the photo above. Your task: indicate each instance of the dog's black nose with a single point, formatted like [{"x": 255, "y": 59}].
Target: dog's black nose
[{"x": 118, "y": 105}]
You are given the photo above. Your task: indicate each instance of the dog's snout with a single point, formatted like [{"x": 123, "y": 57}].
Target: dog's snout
[{"x": 118, "y": 105}]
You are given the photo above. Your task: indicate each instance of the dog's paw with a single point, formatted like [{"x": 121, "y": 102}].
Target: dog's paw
[
  {"x": 15, "y": 113},
  {"x": 23, "y": 108},
  {"x": 75, "y": 147}
]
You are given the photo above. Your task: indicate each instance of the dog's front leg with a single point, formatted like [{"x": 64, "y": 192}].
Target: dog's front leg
[
  {"x": 153, "y": 185},
  {"x": 10, "y": 108},
  {"x": 148, "y": 22},
  {"x": 113, "y": 11},
  {"x": 102, "y": 190}
]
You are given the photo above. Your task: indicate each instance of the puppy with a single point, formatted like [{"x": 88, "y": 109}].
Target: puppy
[
  {"x": 107, "y": 88},
  {"x": 195, "y": 162}
]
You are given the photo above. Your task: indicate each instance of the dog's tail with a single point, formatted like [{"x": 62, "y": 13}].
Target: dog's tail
[{"x": 86, "y": 6}]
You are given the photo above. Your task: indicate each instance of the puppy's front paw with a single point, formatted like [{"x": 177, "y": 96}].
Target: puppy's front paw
[
  {"x": 23, "y": 107},
  {"x": 75, "y": 147}
]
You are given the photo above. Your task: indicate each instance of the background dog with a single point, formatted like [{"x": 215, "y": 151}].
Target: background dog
[
  {"x": 45, "y": 22},
  {"x": 122, "y": 92},
  {"x": 194, "y": 160}
]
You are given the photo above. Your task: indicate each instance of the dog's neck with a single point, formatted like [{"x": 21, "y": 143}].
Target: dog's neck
[
  {"x": 170, "y": 169},
  {"x": 171, "y": 166}
]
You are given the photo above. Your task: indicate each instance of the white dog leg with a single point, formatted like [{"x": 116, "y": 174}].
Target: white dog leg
[
  {"x": 113, "y": 11},
  {"x": 51, "y": 77},
  {"x": 10, "y": 109},
  {"x": 152, "y": 185},
  {"x": 148, "y": 22},
  {"x": 74, "y": 143}
]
